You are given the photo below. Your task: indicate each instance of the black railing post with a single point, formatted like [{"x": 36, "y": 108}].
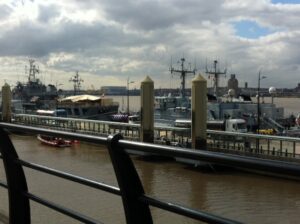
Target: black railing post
[
  {"x": 19, "y": 208},
  {"x": 129, "y": 182}
]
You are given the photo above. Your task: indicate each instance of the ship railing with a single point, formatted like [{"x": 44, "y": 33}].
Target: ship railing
[{"x": 136, "y": 203}]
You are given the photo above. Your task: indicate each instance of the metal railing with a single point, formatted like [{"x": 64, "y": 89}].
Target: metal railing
[
  {"x": 265, "y": 146},
  {"x": 135, "y": 202},
  {"x": 84, "y": 126},
  {"x": 276, "y": 147},
  {"x": 97, "y": 127}
]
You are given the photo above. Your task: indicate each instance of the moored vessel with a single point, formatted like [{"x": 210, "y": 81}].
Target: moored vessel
[
  {"x": 88, "y": 106},
  {"x": 34, "y": 94},
  {"x": 54, "y": 141},
  {"x": 233, "y": 105}
]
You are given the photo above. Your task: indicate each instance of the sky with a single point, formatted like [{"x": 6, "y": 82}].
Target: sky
[{"x": 111, "y": 41}]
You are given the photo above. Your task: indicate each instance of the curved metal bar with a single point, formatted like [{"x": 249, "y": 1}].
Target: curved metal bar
[
  {"x": 71, "y": 177},
  {"x": 187, "y": 212},
  {"x": 19, "y": 209},
  {"x": 66, "y": 211},
  {"x": 129, "y": 183}
]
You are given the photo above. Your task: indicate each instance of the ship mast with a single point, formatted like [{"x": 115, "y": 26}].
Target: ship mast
[
  {"x": 32, "y": 71},
  {"x": 77, "y": 83},
  {"x": 182, "y": 72},
  {"x": 215, "y": 75}
]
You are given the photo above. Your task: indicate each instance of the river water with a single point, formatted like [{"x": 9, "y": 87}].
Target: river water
[{"x": 246, "y": 197}]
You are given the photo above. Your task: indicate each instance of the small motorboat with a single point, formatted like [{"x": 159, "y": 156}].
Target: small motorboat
[{"x": 54, "y": 141}]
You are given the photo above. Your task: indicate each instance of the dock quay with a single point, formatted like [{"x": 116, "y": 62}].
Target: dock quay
[
  {"x": 135, "y": 202},
  {"x": 262, "y": 146}
]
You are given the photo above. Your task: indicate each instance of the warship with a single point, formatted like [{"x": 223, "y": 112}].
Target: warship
[
  {"x": 232, "y": 106},
  {"x": 33, "y": 94}
]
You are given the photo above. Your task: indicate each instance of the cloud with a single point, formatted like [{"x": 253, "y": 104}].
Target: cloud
[
  {"x": 4, "y": 11},
  {"x": 46, "y": 13},
  {"x": 39, "y": 40},
  {"x": 123, "y": 39}
]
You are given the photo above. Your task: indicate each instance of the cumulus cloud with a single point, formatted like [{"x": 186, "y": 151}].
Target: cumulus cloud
[
  {"x": 4, "y": 11},
  {"x": 132, "y": 38}
]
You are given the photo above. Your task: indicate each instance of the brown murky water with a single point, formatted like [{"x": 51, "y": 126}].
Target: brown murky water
[{"x": 245, "y": 197}]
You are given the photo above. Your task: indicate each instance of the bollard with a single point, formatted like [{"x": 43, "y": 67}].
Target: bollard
[
  {"x": 199, "y": 112},
  {"x": 147, "y": 110}
]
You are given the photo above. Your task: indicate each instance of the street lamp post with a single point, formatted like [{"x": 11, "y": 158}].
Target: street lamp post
[
  {"x": 258, "y": 99},
  {"x": 258, "y": 105},
  {"x": 272, "y": 91},
  {"x": 128, "y": 82}
]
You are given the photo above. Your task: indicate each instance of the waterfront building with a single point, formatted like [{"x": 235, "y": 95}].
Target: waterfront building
[
  {"x": 113, "y": 90},
  {"x": 233, "y": 83}
]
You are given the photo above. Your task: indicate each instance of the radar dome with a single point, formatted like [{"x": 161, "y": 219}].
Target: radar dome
[
  {"x": 231, "y": 92},
  {"x": 272, "y": 90}
]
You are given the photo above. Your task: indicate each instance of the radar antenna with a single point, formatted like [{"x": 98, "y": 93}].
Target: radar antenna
[
  {"x": 32, "y": 71},
  {"x": 215, "y": 75},
  {"x": 182, "y": 72},
  {"x": 77, "y": 83}
]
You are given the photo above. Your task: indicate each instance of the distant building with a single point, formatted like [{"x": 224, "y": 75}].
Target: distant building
[
  {"x": 113, "y": 90},
  {"x": 298, "y": 88},
  {"x": 233, "y": 83}
]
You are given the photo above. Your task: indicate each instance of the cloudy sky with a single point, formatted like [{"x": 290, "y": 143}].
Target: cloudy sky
[{"x": 108, "y": 41}]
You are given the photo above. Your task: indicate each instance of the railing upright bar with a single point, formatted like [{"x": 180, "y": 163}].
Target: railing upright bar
[
  {"x": 19, "y": 208},
  {"x": 129, "y": 182}
]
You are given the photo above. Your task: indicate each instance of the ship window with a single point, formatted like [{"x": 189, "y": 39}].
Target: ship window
[
  {"x": 84, "y": 111},
  {"x": 69, "y": 111},
  {"x": 76, "y": 111},
  {"x": 241, "y": 125}
]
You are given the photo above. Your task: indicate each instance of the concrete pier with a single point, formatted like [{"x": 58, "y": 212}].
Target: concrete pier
[
  {"x": 199, "y": 112},
  {"x": 6, "y": 103},
  {"x": 147, "y": 110}
]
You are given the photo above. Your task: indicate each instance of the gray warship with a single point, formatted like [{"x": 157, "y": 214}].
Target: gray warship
[
  {"x": 33, "y": 94},
  {"x": 235, "y": 106}
]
